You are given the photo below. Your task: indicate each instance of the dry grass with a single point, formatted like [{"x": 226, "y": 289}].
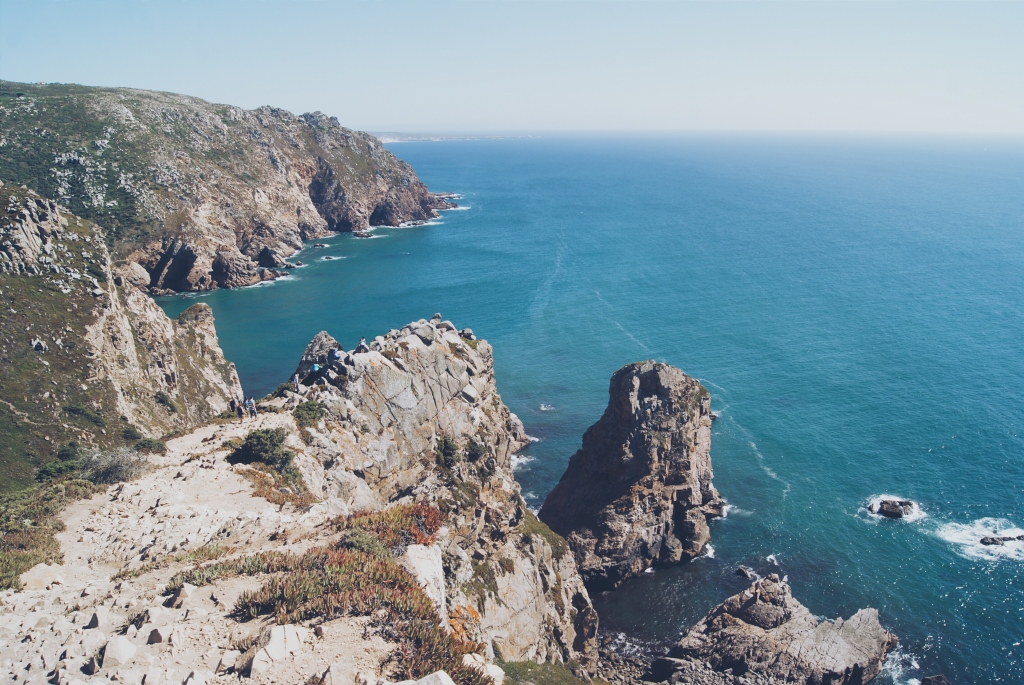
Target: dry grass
[
  {"x": 357, "y": 576},
  {"x": 272, "y": 486},
  {"x": 208, "y": 552}
]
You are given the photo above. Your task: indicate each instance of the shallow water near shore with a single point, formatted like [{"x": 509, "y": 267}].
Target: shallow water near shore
[{"x": 855, "y": 307}]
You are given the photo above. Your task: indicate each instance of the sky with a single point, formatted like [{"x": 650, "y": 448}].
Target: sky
[{"x": 549, "y": 65}]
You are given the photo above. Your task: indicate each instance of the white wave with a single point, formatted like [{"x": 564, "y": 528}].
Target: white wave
[
  {"x": 519, "y": 461},
  {"x": 547, "y": 407},
  {"x": 532, "y": 439},
  {"x": 649, "y": 569},
  {"x": 709, "y": 553},
  {"x": 916, "y": 512},
  {"x": 966, "y": 537},
  {"x": 772, "y": 560},
  {"x": 732, "y": 510},
  {"x": 767, "y": 469},
  {"x": 900, "y": 666},
  {"x": 460, "y": 208},
  {"x": 330, "y": 258}
]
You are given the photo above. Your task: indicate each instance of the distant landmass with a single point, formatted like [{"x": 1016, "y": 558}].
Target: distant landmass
[{"x": 201, "y": 195}]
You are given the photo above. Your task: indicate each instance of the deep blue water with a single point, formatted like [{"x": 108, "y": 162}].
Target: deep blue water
[{"x": 855, "y": 306}]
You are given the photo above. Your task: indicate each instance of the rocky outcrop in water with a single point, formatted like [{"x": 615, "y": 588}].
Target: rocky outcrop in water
[
  {"x": 893, "y": 508},
  {"x": 765, "y": 631},
  {"x": 202, "y": 195},
  {"x": 639, "y": 491}
]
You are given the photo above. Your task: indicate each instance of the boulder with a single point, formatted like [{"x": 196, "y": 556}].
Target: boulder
[
  {"x": 39, "y": 576},
  {"x": 437, "y": 678},
  {"x": 893, "y": 508},
  {"x": 342, "y": 672},
  {"x": 100, "y": 618},
  {"x": 765, "y": 631},
  {"x": 118, "y": 652},
  {"x": 639, "y": 491}
]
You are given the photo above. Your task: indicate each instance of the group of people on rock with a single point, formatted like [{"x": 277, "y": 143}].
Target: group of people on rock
[{"x": 247, "y": 407}]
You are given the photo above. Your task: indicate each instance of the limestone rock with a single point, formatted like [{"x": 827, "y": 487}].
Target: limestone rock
[
  {"x": 765, "y": 631},
  {"x": 118, "y": 652},
  {"x": 39, "y": 576},
  {"x": 639, "y": 491},
  {"x": 893, "y": 508},
  {"x": 425, "y": 564},
  {"x": 438, "y": 678}
]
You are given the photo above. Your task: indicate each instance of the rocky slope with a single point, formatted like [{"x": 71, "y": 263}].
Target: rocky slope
[
  {"x": 201, "y": 195},
  {"x": 85, "y": 355},
  {"x": 413, "y": 422},
  {"x": 765, "y": 631},
  {"x": 639, "y": 491}
]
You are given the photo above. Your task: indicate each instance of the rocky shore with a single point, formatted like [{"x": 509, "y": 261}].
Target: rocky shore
[
  {"x": 200, "y": 195},
  {"x": 364, "y": 529}
]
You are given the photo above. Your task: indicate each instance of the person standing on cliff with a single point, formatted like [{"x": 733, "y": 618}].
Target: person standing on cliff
[
  {"x": 250, "y": 404},
  {"x": 295, "y": 382}
]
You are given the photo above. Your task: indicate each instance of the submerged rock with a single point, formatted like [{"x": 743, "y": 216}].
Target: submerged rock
[
  {"x": 765, "y": 631},
  {"x": 639, "y": 491}
]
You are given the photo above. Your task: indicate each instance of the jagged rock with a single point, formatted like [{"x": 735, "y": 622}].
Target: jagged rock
[
  {"x": 425, "y": 564},
  {"x": 765, "y": 631},
  {"x": 438, "y": 678},
  {"x": 893, "y": 508},
  {"x": 1000, "y": 539},
  {"x": 389, "y": 407},
  {"x": 159, "y": 634},
  {"x": 341, "y": 672},
  {"x": 478, "y": 662},
  {"x": 118, "y": 652},
  {"x": 100, "y": 618},
  {"x": 639, "y": 491}
]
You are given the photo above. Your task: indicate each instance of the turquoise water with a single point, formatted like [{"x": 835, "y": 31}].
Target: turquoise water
[{"x": 856, "y": 308}]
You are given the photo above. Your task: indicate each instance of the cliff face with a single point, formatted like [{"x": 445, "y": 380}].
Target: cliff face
[
  {"x": 418, "y": 417},
  {"x": 87, "y": 356},
  {"x": 639, "y": 491},
  {"x": 201, "y": 195}
]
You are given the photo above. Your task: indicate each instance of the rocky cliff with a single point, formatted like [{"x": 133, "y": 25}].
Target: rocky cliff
[
  {"x": 639, "y": 490},
  {"x": 418, "y": 417},
  {"x": 765, "y": 631},
  {"x": 201, "y": 195},
  {"x": 87, "y": 356}
]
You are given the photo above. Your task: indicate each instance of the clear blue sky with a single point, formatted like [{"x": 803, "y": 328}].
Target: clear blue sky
[{"x": 548, "y": 65}]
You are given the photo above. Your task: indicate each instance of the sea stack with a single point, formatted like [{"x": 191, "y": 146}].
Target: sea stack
[
  {"x": 765, "y": 631},
  {"x": 639, "y": 491}
]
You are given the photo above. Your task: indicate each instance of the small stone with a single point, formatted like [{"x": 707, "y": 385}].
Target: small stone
[
  {"x": 341, "y": 672},
  {"x": 100, "y": 617},
  {"x": 153, "y": 676},
  {"x": 160, "y": 634},
  {"x": 227, "y": 661},
  {"x": 437, "y": 678}
]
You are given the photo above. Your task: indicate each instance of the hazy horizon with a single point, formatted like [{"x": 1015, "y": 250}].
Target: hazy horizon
[{"x": 485, "y": 67}]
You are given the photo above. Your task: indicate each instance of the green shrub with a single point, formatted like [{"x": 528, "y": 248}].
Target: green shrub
[
  {"x": 535, "y": 528},
  {"x": 150, "y": 445},
  {"x": 115, "y": 466},
  {"x": 308, "y": 414},
  {"x": 474, "y": 450},
  {"x": 165, "y": 399},
  {"x": 131, "y": 433},
  {"x": 265, "y": 445},
  {"x": 90, "y": 415},
  {"x": 447, "y": 452}
]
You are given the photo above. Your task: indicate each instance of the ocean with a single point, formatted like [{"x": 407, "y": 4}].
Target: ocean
[{"x": 855, "y": 306}]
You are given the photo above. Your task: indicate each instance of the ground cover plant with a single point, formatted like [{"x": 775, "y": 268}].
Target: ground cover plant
[
  {"x": 271, "y": 470},
  {"x": 357, "y": 575}
]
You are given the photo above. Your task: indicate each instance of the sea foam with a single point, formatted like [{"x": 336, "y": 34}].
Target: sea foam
[
  {"x": 966, "y": 539},
  {"x": 916, "y": 513}
]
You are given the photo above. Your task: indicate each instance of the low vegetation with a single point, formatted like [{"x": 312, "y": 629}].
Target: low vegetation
[
  {"x": 523, "y": 672},
  {"x": 356, "y": 576},
  {"x": 308, "y": 414},
  {"x": 29, "y": 518},
  {"x": 271, "y": 469},
  {"x": 448, "y": 452},
  {"x": 533, "y": 527},
  {"x": 208, "y": 552}
]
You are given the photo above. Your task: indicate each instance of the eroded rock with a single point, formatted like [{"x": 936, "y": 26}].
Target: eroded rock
[{"x": 639, "y": 491}]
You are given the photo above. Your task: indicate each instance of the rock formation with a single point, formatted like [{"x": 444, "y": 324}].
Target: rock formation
[
  {"x": 765, "y": 631},
  {"x": 418, "y": 416},
  {"x": 86, "y": 355},
  {"x": 893, "y": 508},
  {"x": 639, "y": 491},
  {"x": 202, "y": 195}
]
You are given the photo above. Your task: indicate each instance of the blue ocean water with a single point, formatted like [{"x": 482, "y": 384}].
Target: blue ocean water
[{"x": 855, "y": 306}]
